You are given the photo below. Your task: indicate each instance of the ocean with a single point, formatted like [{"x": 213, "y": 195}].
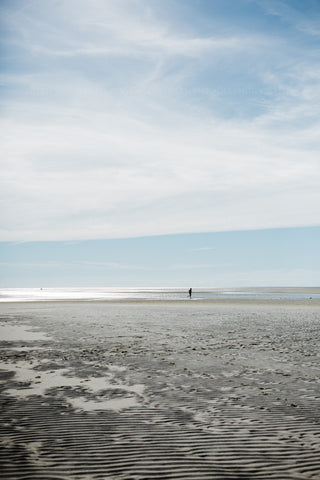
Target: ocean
[{"x": 166, "y": 294}]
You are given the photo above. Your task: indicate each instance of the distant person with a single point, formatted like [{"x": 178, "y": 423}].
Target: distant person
[{"x": 190, "y": 292}]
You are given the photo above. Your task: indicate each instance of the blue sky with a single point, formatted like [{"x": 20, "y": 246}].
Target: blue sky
[
  {"x": 280, "y": 257},
  {"x": 149, "y": 122}
]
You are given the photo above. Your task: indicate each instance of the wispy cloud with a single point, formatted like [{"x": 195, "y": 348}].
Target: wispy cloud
[
  {"x": 202, "y": 249},
  {"x": 108, "y": 28},
  {"x": 114, "y": 265},
  {"x": 125, "y": 121},
  {"x": 196, "y": 266},
  {"x": 32, "y": 265},
  {"x": 74, "y": 264},
  {"x": 305, "y": 18}
]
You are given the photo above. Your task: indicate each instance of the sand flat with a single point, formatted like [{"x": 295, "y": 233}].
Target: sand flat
[{"x": 161, "y": 390}]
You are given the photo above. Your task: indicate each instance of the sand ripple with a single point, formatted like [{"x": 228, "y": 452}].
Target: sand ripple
[{"x": 169, "y": 404}]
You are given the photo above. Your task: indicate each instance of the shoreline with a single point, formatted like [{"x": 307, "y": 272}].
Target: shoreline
[
  {"x": 108, "y": 294},
  {"x": 214, "y": 301}
]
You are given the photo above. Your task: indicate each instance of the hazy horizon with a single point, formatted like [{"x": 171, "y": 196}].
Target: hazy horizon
[{"x": 165, "y": 294}]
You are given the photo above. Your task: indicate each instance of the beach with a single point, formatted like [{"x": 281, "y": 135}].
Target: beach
[{"x": 137, "y": 390}]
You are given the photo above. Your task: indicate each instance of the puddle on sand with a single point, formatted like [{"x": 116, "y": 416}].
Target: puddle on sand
[
  {"x": 38, "y": 382},
  {"x": 16, "y": 333},
  {"x": 115, "y": 404}
]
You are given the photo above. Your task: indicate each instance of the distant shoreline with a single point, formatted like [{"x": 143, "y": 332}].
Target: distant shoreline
[
  {"x": 194, "y": 301},
  {"x": 157, "y": 294}
]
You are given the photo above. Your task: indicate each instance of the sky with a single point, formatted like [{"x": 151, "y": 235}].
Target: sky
[
  {"x": 148, "y": 129},
  {"x": 280, "y": 257}
]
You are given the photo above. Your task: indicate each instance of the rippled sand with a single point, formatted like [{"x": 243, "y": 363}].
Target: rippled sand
[{"x": 160, "y": 390}]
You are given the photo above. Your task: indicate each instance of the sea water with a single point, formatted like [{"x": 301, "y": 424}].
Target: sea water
[{"x": 167, "y": 294}]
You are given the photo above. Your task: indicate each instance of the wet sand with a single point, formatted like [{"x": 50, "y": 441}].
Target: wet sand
[{"x": 160, "y": 390}]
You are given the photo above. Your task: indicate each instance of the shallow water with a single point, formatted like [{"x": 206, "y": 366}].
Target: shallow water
[{"x": 47, "y": 294}]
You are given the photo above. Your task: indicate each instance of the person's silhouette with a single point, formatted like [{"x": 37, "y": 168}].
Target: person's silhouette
[{"x": 190, "y": 292}]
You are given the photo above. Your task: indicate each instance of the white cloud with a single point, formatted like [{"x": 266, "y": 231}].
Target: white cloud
[
  {"x": 107, "y": 177},
  {"x": 93, "y": 149}
]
